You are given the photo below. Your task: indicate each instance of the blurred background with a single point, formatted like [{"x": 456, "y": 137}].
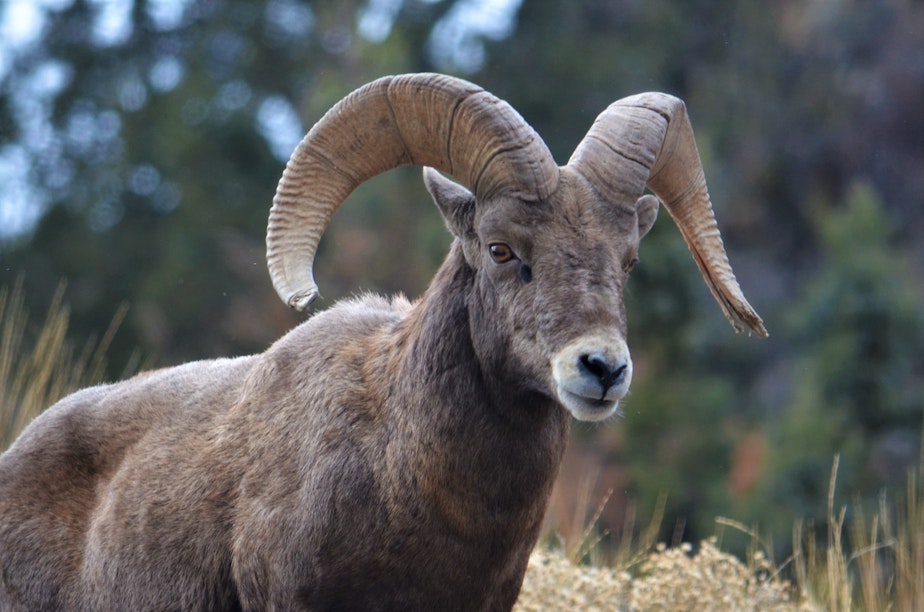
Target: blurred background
[{"x": 141, "y": 142}]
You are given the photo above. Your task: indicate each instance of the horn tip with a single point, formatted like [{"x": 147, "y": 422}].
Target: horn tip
[
  {"x": 300, "y": 300},
  {"x": 752, "y": 322},
  {"x": 760, "y": 330}
]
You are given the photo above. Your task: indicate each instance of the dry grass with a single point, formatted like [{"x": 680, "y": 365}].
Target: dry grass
[
  {"x": 37, "y": 371},
  {"x": 667, "y": 579},
  {"x": 863, "y": 564},
  {"x": 642, "y": 574},
  {"x": 875, "y": 564}
]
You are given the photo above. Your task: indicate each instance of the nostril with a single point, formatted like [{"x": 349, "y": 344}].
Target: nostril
[
  {"x": 607, "y": 373},
  {"x": 595, "y": 364}
]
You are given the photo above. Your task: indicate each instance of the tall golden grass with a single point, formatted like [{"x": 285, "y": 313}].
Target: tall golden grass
[
  {"x": 40, "y": 365},
  {"x": 866, "y": 563}
]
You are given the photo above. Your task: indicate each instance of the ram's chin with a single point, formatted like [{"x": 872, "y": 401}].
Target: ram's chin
[{"x": 588, "y": 409}]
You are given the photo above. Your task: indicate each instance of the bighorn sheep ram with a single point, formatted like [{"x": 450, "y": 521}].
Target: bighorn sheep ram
[{"x": 384, "y": 454}]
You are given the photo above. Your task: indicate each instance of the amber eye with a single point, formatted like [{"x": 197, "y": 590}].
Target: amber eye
[
  {"x": 631, "y": 264},
  {"x": 500, "y": 252}
]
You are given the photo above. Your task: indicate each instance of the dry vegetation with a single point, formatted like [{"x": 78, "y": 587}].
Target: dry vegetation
[
  {"x": 38, "y": 369},
  {"x": 862, "y": 564},
  {"x": 874, "y": 563},
  {"x": 665, "y": 579},
  {"x": 645, "y": 575}
]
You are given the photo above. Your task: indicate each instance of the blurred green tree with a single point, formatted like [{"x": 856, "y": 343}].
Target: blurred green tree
[
  {"x": 856, "y": 379},
  {"x": 151, "y": 136}
]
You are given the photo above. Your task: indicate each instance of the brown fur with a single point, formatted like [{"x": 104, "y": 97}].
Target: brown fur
[{"x": 381, "y": 456}]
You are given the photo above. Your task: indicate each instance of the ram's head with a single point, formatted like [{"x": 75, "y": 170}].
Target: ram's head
[{"x": 550, "y": 247}]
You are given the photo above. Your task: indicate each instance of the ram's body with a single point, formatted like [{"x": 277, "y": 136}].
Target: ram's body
[
  {"x": 382, "y": 455},
  {"x": 253, "y": 481}
]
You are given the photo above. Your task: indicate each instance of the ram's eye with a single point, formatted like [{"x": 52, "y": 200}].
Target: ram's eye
[
  {"x": 628, "y": 267},
  {"x": 501, "y": 253}
]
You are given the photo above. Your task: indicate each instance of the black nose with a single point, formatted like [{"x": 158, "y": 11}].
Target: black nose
[{"x": 605, "y": 371}]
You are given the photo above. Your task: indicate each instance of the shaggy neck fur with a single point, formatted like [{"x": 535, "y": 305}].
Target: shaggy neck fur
[
  {"x": 486, "y": 425},
  {"x": 484, "y": 452}
]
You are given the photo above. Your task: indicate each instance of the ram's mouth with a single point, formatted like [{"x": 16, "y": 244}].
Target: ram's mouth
[
  {"x": 586, "y": 408},
  {"x": 592, "y": 374}
]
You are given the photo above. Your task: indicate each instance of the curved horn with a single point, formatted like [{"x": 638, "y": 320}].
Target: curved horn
[
  {"x": 646, "y": 140},
  {"x": 425, "y": 119}
]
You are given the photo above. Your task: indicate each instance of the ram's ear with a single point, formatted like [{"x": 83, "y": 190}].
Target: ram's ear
[
  {"x": 456, "y": 203},
  {"x": 647, "y": 210}
]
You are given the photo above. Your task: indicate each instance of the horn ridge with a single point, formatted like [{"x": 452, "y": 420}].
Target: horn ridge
[
  {"x": 646, "y": 141},
  {"x": 427, "y": 119}
]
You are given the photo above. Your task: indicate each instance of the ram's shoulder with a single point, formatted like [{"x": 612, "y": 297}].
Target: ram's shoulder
[
  {"x": 370, "y": 308},
  {"x": 355, "y": 317},
  {"x": 126, "y": 409}
]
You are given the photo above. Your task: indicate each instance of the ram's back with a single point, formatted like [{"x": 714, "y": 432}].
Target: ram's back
[
  {"x": 80, "y": 475},
  {"x": 130, "y": 494}
]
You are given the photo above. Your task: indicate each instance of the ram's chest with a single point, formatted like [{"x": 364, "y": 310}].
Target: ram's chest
[
  {"x": 411, "y": 569},
  {"x": 374, "y": 532}
]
